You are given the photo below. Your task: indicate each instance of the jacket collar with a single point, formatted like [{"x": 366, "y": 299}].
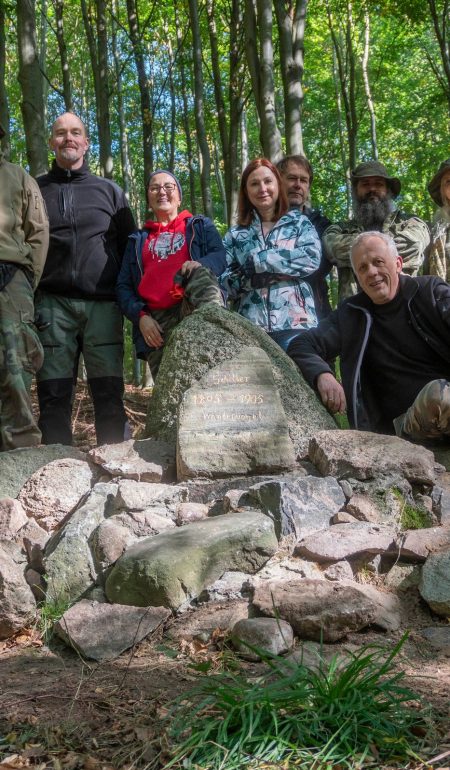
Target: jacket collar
[{"x": 65, "y": 174}]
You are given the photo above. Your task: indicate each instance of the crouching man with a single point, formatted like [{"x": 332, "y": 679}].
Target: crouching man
[{"x": 393, "y": 342}]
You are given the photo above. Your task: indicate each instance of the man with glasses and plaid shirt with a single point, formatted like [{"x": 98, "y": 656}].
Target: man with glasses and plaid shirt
[{"x": 169, "y": 268}]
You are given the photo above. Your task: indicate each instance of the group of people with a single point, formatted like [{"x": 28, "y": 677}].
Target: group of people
[{"x": 73, "y": 263}]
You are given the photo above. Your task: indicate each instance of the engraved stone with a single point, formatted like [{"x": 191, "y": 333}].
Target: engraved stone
[{"x": 232, "y": 421}]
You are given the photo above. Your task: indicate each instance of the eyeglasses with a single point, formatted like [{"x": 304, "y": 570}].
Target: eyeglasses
[{"x": 168, "y": 187}]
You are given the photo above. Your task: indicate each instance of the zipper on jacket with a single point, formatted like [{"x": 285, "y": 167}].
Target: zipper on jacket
[{"x": 359, "y": 360}]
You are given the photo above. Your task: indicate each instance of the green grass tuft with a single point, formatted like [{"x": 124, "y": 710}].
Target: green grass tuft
[
  {"x": 342, "y": 714},
  {"x": 412, "y": 517}
]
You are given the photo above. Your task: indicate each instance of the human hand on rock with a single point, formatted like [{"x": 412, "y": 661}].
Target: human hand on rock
[
  {"x": 331, "y": 393},
  {"x": 151, "y": 331}
]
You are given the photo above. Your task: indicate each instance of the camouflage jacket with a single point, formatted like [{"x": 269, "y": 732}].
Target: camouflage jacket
[
  {"x": 264, "y": 274},
  {"x": 23, "y": 220},
  {"x": 439, "y": 253},
  {"x": 410, "y": 234}
]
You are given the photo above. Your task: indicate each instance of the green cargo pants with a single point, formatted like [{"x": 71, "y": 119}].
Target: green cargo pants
[{"x": 21, "y": 356}]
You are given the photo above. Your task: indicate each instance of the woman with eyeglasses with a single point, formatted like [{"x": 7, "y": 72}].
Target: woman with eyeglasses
[
  {"x": 169, "y": 268},
  {"x": 270, "y": 254}
]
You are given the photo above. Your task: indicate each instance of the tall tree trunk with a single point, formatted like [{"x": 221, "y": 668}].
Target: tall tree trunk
[
  {"x": 244, "y": 140},
  {"x": 342, "y": 144},
  {"x": 365, "y": 72},
  {"x": 58, "y": 6},
  {"x": 144, "y": 90},
  {"x": 185, "y": 116},
  {"x": 96, "y": 33},
  {"x": 31, "y": 84},
  {"x": 346, "y": 69},
  {"x": 259, "y": 48},
  {"x": 441, "y": 24},
  {"x": 291, "y": 17},
  {"x": 4, "y": 109},
  {"x": 205, "y": 157},
  {"x": 173, "y": 110},
  {"x": 237, "y": 81},
  {"x": 43, "y": 54},
  {"x": 124, "y": 153},
  {"x": 220, "y": 182}
]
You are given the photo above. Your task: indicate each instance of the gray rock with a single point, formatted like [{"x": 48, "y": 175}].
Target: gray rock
[
  {"x": 55, "y": 490},
  {"x": 402, "y": 577},
  {"x": 363, "y": 509},
  {"x": 438, "y": 637},
  {"x": 205, "y": 339},
  {"x": 189, "y": 512},
  {"x": 316, "y": 609},
  {"x": 339, "y": 571},
  {"x": 147, "y": 460},
  {"x": 300, "y": 505},
  {"x": 142, "y": 496},
  {"x": 364, "y": 455},
  {"x": 232, "y": 421},
  {"x": 108, "y": 542},
  {"x": 231, "y": 586},
  {"x": 18, "y": 465},
  {"x": 12, "y": 518},
  {"x": 103, "y": 631},
  {"x": 172, "y": 568},
  {"x": 441, "y": 499},
  {"x": 435, "y": 582},
  {"x": 287, "y": 569},
  {"x": 346, "y": 488},
  {"x": 385, "y": 496},
  {"x": 37, "y": 584},
  {"x": 387, "y": 607},
  {"x": 342, "y": 517},
  {"x": 417, "y": 544},
  {"x": 69, "y": 564},
  {"x": 346, "y": 541},
  {"x": 235, "y": 499},
  {"x": 17, "y": 605},
  {"x": 270, "y": 635},
  {"x": 33, "y": 539}
]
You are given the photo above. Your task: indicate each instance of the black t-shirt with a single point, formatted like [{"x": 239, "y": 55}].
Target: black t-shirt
[{"x": 398, "y": 362}]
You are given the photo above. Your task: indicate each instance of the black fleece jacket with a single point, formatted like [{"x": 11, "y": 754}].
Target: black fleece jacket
[
  {"x": 90, "y": 221},
  {"x": 346, "y": 332}
]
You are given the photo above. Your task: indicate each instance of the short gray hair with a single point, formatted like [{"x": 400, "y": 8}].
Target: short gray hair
[{"x": 388, "y": 240}]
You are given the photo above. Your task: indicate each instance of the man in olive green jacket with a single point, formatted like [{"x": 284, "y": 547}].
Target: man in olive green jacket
[
  {"x": 374, "y": 209},
  {"x": 23, "y": 249}
]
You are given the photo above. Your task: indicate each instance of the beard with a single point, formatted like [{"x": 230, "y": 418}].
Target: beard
[{"x": 371, "y": 211}]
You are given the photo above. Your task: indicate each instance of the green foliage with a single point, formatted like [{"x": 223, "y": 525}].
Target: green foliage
[
  {"x": 412, "y": 517},
  {"x": 343, "y": 712},
  {"x": 49, "y": 613}
]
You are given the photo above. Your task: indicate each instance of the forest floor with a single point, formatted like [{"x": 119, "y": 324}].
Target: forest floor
[{"x": 59, "y": 712}]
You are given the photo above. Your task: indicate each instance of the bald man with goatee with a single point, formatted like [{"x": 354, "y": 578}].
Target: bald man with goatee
[{"x": 90, "y": 221}]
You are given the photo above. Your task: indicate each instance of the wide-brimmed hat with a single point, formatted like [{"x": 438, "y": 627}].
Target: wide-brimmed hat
[
  {"x": 434, "y": 188},
  {"x": 375, "y": 168}
]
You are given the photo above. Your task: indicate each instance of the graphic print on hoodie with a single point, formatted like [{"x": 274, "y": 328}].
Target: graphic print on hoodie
[{"x": 164, "y": 252}]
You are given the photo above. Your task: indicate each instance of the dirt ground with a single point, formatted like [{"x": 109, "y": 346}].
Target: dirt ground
[{"x": 60, "y": 712}]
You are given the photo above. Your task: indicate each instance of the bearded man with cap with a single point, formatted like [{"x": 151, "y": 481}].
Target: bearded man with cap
[
  {"x": 373, "y": 192},
  {"x": 170, "y": 267},
  {"x": 23, "y": 249},
  {"x": 439, "y": 254}
]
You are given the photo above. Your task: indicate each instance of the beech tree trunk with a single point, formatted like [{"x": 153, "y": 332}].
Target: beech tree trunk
[
  {"x": 58, "y": 6},
  {"x": 185, "y": 115},
  {"x": 144, "y": 90},
  {"x": 4, "y": 109},
  {"x": 199, "y": 111},
  {"x": 367, "y": 89},
  {"x": 31, "y": 84},
  {"x": 291, "y": 17}
]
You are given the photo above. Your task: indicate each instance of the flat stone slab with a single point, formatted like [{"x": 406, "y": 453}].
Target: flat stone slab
[
  {"x": 232, "y": 421},
  {"x": 103, "y": 631},
  {"x": 18, "y": 465},
  {"x": 363, "y": 455},
  {"x": 417, "y": 544},
  {"x": 17, "y": 605},
  {"x": 344, "y": 541},
  {"x": 146, "y": 460},
  {"x": 174, "y": 567},
  {"x": 316, "y": 609}
]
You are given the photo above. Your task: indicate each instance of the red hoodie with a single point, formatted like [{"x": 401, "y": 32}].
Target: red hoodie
[{"x": 163, "y": 253}]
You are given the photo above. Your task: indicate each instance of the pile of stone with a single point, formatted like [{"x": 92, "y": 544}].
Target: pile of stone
[{"x": 312, "y": 548}]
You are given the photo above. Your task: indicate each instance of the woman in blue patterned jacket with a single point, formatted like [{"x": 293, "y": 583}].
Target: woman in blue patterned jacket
[{"x": 270, "y": 253}]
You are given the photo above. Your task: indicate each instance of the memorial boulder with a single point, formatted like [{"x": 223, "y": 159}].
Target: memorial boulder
[{"x": 209, "y": 337}]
